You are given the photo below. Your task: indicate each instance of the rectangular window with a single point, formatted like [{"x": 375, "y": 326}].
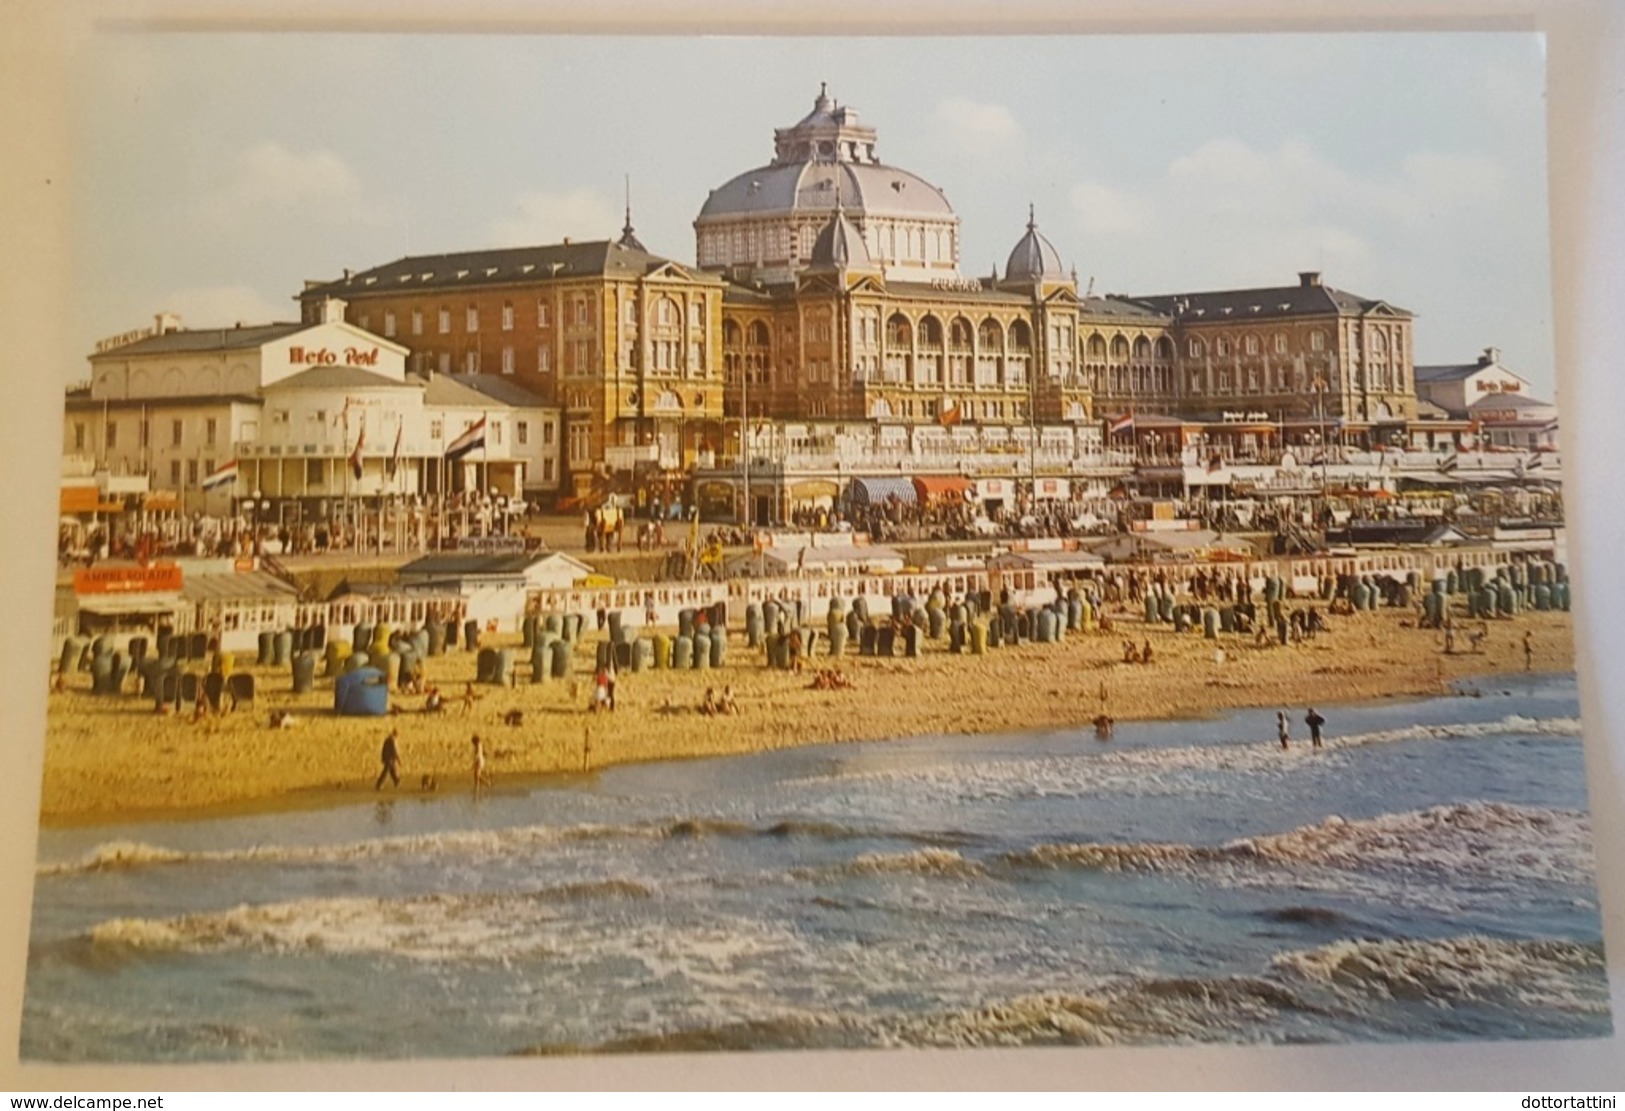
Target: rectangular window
[
  {"x": 471, "y": 362},
  {"x": 211, "y": 428},
  {"x": 496, "y": 432},
  {"x": 208, "y": 466},
  {"x": 522, "y": 432},
  {"x": 507, "y": 360},
  {"x": 436, "y": 430},
  {"x": 174, "y": 472},
  {"x": 581, "y": 311},
  {"x": 445, "y": 362},
  {"x": 543, "y": 317},
  {"x": 112, "y": 434},
  {"x": 507, "y": 317},
  {"x": 175, "y": 433},
  {"x": 191, "y": 472},
  {"x": 547, "y": 434},
  {"x": 389, "y": 325},
  {"x": 472, "y": 319},
  {"x": 313, "y": 472},
  {"x": 319, "y": 416},
  {"x": 544, "y": 359},
  {"x": 279, "y": 416},
  {"x": 631, "y": 311},
  {"x": 547, "y": 469},
  {"x": 1280, "y": 343},
  {"x": 694, "y": 317},
  {"x": 417, "y": 322},
  {"x": 445, "y": 321},
  {"x": 79, "y": 436}
]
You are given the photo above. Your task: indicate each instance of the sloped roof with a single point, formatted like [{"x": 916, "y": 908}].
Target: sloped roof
[
  {"x": 1233, "y": 305},
  {"x": 339, "y": 378},
  {"x": 1454, "y": 372},
  {"x": 477, "y": 390},
  {"x": 500, "y": 266},
  {"x": 204, "y": 339},
  {"x": 239, "y": 586}
]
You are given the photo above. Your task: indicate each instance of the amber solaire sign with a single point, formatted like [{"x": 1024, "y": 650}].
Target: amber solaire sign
[{"x": 158, "y": 579}]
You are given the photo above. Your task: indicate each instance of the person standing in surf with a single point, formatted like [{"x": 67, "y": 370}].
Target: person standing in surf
[
  {"x": 1314, "y": 721},
  {"x": 1282, "y": 730},
  {"x": 480, "y": 778}
]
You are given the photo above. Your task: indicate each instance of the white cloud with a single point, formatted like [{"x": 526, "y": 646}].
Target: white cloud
[
  {"x": 977, "y": 128},
  {"x": 270, "y": 178},
  {"x": 542, "y": 217},
  {"x": 221, "y": 306},
  {"x": 1261, "y": 214},
  {"x": 1100, "y": 208}
]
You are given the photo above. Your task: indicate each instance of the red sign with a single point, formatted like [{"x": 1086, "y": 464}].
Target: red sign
[
  {"x": 326, "y": 356},
  {"x": 162, "y": 578}
]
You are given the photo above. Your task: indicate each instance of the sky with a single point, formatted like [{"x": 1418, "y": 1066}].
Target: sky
[{"x": 218, "y": 172}]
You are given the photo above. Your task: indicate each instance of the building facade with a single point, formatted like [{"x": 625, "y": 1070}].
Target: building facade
[
  {"x": 311, "y": 414},
  {"x": 627, "y": 344}
]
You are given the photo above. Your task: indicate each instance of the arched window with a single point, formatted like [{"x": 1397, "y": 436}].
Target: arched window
[
  {"x": 1021, "y": 336},
  {"x": 759, "y": 334},
  {"x": 899, "y": 333},
  {"x": 959, "y": 332},
  {"x": 732, "y": 335},
  {"x": 1142, "y": 349},
  {"x": 1165, "y": 349},
  {"x": 1119, "y": 349},
  {"x": 1221, "y": 346},
  {"x": 989, "y": 336},
  {"x": 1280, "y": 343},
  {"x": 930, "y": 331},
  {"x": 1317, "y": 340},
  {"x": 1097, "y": 348},
  {"x": 1250, "y": 345},
  {"x": 1197, "y": 348}
]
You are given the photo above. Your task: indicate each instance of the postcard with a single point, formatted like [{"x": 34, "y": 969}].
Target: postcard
[{"x": 583, "y": 545}]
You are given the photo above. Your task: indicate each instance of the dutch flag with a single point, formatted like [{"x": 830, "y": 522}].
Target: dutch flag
[
  {"x": 468, "y": 441},
  {"x": 1123, "y": 423},
  {"x": 223, "y": 475}
]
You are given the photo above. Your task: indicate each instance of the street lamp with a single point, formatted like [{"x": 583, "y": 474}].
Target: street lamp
[
  {"x": 1319, "y": 386},
  {"x": 258, "y": 506}
]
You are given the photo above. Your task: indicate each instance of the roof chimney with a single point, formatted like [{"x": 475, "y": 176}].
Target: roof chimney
[
  {"x": 164, "y": 323},
  {"x": 1308, "y": 279},
  {"x": 1490, "y": 357},
  {"x": 332, "y": 311}
]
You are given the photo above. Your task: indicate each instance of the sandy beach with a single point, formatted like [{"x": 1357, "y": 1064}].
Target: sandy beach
[{"x": 114, "y": 759}]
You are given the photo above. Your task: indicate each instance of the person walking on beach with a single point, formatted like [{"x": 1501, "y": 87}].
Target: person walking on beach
[
  {"x": 1528, "y": 651},
  {"x": 480, "y": 779},
  {"x": 1314, "y": 721},
  {"x": 1282, "y": 730},
  {"x": 391, "y": 759}
]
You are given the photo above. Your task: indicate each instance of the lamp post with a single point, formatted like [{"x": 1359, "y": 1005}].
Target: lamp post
[
  {"x": 258, "y": 506},
  {"x": 1319, "y": 387}
]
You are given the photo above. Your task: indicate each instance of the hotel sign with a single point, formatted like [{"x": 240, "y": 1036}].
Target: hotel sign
[
  {"x": 163, "y": 578},
  {"x": 1235, "y": 417},
  {"x": 327, "y": 356},
  {"x": 1499, "y": 387},
  {"x": 122, "y": 338}
]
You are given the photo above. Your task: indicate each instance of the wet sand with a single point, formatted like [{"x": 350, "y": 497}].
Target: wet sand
[{"x": 114, "y": 760}]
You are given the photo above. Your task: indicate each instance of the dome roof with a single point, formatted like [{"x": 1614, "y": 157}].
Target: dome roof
[
  {"x": 1034, "y": 258},
  {"x": 840, "y": 245},
  {"x": 866, "y": 189}
]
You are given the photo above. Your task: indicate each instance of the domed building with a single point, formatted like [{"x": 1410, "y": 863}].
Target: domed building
[{"x": 762, "y": 225}]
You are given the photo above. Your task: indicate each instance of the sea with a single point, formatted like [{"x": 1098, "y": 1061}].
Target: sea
[{"x": 1426, "y": 875}]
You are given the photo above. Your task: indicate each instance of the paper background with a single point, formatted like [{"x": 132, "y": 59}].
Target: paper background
[{"x": 1586, "y": 99}]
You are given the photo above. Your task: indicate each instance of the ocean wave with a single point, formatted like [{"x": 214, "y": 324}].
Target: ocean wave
[
  {"x": 1165, "y": 770},
  {"x": 1533, "y": 987},
  {"x": 126, "y": 855},
  {"x": 1560, "y": 975},
  {"x": 920, "y": 862},
  {"x": 431, "y": 927},
  {"x": 1491, "y": 841}
]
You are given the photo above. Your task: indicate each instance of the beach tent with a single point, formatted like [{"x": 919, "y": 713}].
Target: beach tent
[{"x": 363, "y": 692}]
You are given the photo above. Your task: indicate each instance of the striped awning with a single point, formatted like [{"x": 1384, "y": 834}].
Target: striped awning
[{"x": 875, "y": 491}]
